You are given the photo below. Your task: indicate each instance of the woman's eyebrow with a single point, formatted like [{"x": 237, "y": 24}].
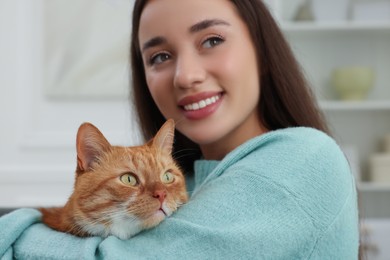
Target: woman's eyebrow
[
  {"x": 153, "y": 42},
  {"x": 202, "y": 25},
  {"x": 206, "y": 24}
]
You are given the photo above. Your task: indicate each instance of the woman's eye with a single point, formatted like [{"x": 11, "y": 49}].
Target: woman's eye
[
  {"x": 159, "y": 58},
  {"x": 212, "y": 42},
  {"x": 168, "y": 177},
  {"x": 129, "y": 179}
]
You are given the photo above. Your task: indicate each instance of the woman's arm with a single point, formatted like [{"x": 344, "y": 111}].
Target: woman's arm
[
  {"x": 281, "y": 201},
  {"x": 231, "y": 217}
]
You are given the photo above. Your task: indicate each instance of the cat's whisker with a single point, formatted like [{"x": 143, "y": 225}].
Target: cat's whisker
[
  {"x": 179, "y": 121},
  {"x": 179, "y": 157},
  {"x": 185, "y": 150},
  {"x": 184, "y": 153}
]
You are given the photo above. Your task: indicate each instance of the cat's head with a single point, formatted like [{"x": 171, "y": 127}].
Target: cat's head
[{"x": 122, "y": 190}]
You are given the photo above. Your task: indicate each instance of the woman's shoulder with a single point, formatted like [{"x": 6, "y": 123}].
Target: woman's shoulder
[
  {"x": 307, "y": 164},
  {"x": 292, "y": 138},
  {"x": 295, "y": 175},
  {"x": 288, "y": 146},
  {"x": 291, "y": 157},
  {"x": 294, "y": 157}
]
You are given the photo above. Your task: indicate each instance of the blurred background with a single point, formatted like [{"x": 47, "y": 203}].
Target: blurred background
[
  {"x": 344, "y": 49},
  {"x": 63, "y": 63}
]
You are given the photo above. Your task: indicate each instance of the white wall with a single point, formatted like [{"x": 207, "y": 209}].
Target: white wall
[{"x": 37, "y": 134}]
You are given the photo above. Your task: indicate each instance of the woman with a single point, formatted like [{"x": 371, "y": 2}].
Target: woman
[
  {"x": 267, "y": 182},
  {"x": 186, "y": 53}
]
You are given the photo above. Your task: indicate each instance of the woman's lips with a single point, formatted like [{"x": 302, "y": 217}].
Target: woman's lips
[{"x": 200, "y": 105}]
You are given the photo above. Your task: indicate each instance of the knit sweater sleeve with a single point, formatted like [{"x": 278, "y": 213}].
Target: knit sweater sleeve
[{"x": 279, "y": 197}]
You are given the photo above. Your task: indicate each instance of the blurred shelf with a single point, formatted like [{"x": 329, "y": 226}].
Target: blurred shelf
[
  {"x": 369, "y": 105},
  {"x": 366, "y": 26},
  {"x": 374, "y": 187}
]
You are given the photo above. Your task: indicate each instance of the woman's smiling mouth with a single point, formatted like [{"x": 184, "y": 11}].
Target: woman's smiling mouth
[{"x": 202, "y": 104}]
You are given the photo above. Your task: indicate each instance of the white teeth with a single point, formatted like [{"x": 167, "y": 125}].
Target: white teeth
[{"x": 201, "y": 104}]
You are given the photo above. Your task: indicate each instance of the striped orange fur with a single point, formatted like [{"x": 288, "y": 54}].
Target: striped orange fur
[{"x": 120, "y": 190}]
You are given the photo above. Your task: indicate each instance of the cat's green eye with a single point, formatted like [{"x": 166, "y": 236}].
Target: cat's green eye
[
  {"x": 129, "y": 179},
  {"x": 168, "y": 177}
]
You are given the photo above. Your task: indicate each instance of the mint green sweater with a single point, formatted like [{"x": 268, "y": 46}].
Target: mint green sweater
[{"x": 288, "y": 194}]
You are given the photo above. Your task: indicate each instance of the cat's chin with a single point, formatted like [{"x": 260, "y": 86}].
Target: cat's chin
[
  {"x": 159, "y": 216},
  {"x": 163, "y": 211},
  {"x": 155, "y": 219}
]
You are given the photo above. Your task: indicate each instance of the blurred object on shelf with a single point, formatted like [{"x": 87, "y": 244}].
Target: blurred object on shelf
[
  {"x": 380, "y": 168},
  {"x": 386, "y": 143},
  {"x": 331, "y": 10},
  {"x": 375, "y": 238},
  {"x": 352, "y": 155},
  {"x": 380, "y": 163},
  {"x": 372, "y": 10},
  {"x": 353, "y": 82},
  {"x": 290, "y": 9},
  {"x": 304, "y": 12}
]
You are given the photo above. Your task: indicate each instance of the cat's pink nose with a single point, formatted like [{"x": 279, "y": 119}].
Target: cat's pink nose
[{"x": 160, "y": 195}]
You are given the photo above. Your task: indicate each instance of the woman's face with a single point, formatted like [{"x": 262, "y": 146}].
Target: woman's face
[{"x": 201, "y": 70}]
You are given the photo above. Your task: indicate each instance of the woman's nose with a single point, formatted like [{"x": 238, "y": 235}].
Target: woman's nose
[{"x": 189, "y": 71}]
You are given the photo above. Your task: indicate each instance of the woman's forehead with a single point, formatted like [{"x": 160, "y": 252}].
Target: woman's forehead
[{"x": 160, "y": 16}]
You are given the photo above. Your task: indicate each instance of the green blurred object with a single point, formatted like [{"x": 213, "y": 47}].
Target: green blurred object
[{"x": 353, "y": 83}]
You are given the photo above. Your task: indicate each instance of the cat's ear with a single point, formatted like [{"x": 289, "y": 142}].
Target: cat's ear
[
  {"x": 90, "y": 144},
  {"x": 165, "y": 136}
]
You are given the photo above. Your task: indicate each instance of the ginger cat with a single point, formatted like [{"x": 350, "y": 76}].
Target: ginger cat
[{"x": 120, "y": 190}]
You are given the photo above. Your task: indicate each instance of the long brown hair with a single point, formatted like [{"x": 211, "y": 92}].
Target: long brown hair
[{"x": 286, "y": 99}]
